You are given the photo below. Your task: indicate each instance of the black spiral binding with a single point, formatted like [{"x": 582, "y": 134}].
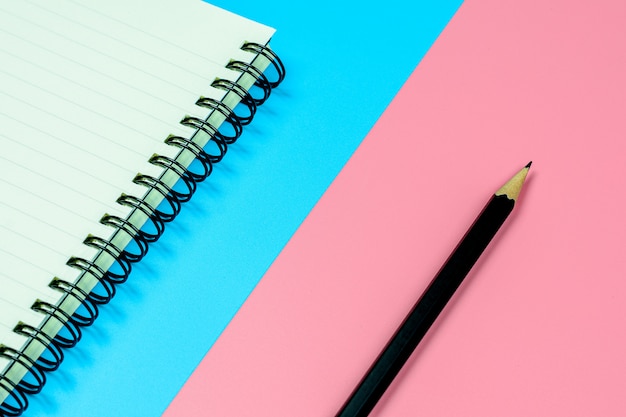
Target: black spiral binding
[{"x": 34, "y": 380}]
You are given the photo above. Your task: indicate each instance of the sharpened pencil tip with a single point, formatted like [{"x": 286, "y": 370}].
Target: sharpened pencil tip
[
  {"x": 513, "y": 186},
  {"x": 528, "y": 164}
]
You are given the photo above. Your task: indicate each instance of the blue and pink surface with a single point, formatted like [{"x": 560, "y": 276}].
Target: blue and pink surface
[{"x": 285, "y": 275}]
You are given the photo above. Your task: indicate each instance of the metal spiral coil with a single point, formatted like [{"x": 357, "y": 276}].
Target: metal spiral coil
[
  {"x": 19, "y": 401},
  {"x": 200, "y": 155},
  {"x": 82, "y": 297},
  {"x": 33, "y": 371},
  {"x": 106, "y": 283},
  {"x": 70, "y": 323},
  {"x": 185, "y": 176},
  {"x": 166, "y": 192},
  {"x": 271, "y": 56},
  {"x": 156, "y": 219},
  {"x": 261, "y": 80},
  {"x": 153, "y": 215},
  {"x": 140, "y": 237},
  {"x": 244, "y": 96},
  {"x": 229, "y": 117},
  {"x": 47, "y": 342}
]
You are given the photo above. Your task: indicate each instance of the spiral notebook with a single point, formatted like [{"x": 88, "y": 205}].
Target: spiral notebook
[{"x": 110, "y": 114}]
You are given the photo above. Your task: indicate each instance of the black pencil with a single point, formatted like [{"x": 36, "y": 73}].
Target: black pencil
[{"x": 433, "y": 300}]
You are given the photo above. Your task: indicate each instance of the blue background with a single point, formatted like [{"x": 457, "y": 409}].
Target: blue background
[{"x": 345, "y": 62}]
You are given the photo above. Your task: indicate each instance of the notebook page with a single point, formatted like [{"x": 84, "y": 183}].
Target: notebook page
[
  {"x": 181, "y": 30},
  {"x": 88, "y": 92}
]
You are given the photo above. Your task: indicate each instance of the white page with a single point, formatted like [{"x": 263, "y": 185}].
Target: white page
[{"x": 88, "y": 92}]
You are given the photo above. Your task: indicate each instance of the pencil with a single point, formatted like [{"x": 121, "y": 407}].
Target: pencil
[{"x": 433, "y": 300}]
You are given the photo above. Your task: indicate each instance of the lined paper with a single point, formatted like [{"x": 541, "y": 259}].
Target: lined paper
[{"x": 88, "y": 92}]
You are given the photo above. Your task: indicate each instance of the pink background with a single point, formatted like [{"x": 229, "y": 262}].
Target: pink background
[{"x": 538, "y": 328}]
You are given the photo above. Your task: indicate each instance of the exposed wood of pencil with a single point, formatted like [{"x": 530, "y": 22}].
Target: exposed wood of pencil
[{"x": 433, "y": 300}]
